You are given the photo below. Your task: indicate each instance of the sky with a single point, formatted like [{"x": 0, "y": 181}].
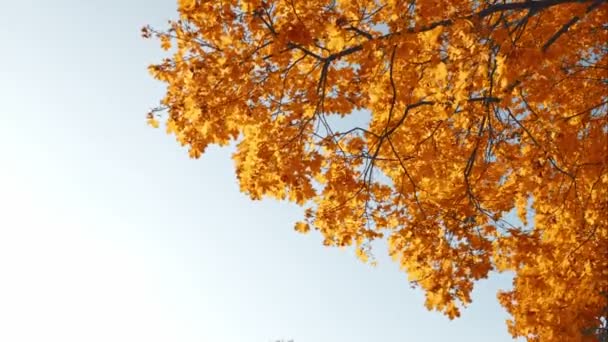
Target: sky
[{"x": 109, "y": 232}]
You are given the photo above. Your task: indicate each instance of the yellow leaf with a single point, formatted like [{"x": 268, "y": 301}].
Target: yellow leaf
[{"x": 302, "y": 227}]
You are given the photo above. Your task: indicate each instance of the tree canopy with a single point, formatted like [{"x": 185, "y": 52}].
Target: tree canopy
[{"x": 428, "y": 123}]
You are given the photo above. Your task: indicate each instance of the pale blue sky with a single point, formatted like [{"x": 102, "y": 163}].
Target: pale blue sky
[{"x": 108, "y": 232}]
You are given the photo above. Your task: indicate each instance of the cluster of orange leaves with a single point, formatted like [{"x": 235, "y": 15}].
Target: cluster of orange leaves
[{"x": 452, "y": 115}]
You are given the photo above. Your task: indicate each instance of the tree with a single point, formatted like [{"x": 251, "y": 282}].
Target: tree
[{"x": 423, "y": 122}]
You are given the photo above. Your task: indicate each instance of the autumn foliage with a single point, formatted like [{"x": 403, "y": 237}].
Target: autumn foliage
[{"x": 429, "y": 123}]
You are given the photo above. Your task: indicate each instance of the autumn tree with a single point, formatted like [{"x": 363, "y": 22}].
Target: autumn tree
[{"x": 428, "y": 123}]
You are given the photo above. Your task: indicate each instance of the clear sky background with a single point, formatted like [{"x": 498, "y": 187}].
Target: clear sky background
[{"x": 108, "y": 232}]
